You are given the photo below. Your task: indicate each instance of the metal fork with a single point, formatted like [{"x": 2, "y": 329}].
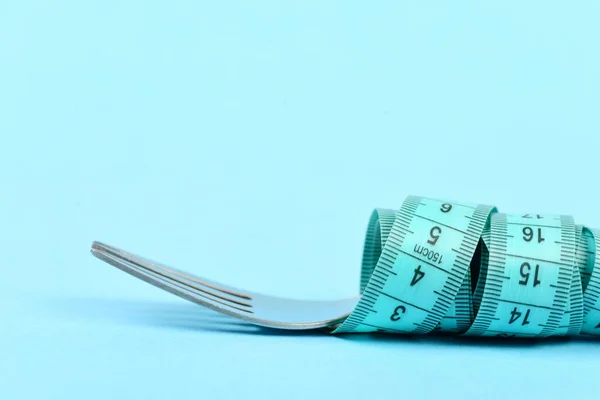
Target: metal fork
[{"x": 256, "y": 308}]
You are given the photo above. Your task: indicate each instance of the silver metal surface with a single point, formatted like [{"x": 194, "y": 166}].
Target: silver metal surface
[{"x": 256, "y": 308}]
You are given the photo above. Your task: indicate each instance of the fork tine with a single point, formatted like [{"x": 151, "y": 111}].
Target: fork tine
[
  {"x": 145, "y": 263},
  {"x": 166, "y": 279},
  {"x": 179, "y": 289}
]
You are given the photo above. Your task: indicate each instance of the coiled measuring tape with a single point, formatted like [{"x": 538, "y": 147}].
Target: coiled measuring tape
[{"x": 437, "y": 265}]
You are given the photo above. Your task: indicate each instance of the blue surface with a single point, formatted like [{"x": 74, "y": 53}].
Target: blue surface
[{"x": 224, "y": 137}]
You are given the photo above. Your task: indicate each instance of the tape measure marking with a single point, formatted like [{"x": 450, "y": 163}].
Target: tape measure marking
[{"x": 591, "y": 300}]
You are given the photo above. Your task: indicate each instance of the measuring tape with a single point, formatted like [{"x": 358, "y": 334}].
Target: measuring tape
[{"x": 444, "y": 266}]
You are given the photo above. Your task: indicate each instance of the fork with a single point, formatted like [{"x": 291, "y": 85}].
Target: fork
[{"x": 252, "y": 307}]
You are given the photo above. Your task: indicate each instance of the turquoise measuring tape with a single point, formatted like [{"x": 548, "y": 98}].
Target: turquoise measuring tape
[{"x": 444, "y": 266}]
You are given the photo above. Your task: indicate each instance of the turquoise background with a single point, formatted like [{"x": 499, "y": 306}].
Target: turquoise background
[{"x": 249, "y": 142}]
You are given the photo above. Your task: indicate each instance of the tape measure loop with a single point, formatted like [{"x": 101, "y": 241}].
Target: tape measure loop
[{"x": 436, "y": 265}]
